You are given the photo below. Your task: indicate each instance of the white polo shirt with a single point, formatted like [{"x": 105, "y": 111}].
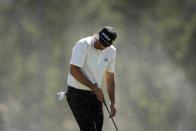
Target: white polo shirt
[{"x": 93, "y": 62}]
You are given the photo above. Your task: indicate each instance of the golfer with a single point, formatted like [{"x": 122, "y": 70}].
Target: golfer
[{"x": 92, "y": 59}]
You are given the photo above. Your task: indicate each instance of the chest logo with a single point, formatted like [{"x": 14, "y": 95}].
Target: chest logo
[{"x": 105, "y": 59}]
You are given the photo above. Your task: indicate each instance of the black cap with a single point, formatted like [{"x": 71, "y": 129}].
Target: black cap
[{"x": 107, "y": 35}]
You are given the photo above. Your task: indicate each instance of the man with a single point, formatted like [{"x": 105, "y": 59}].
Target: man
[{"x": 92, "y": 58}]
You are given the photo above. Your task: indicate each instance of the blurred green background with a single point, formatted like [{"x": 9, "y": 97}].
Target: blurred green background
[{"x": 155, "y": 67}]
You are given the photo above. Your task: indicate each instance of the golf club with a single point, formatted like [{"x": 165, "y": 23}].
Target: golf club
[{"x": 110, "y": 114}]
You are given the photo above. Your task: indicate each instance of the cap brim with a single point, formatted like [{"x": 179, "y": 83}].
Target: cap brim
[{"x": 105, "y": 43}]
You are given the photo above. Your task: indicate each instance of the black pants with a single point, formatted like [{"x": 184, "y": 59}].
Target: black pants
[{"x": 86, "y": 108}]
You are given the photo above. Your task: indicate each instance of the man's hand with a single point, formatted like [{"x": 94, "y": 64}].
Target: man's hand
[
  {"x": 98, "y": 92},
  {"x": 113, "y": 110}
]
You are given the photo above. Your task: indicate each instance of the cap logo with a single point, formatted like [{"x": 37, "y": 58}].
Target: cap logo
[{"x": 105, "y": 36}]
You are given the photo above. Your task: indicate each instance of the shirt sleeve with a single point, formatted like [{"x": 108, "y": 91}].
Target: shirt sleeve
[
  {"x": 79, "y": 54},
  {"x": 111, "y": 66}
]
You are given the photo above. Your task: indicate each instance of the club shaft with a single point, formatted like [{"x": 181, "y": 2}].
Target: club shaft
[{"x": 110, "y": 115}]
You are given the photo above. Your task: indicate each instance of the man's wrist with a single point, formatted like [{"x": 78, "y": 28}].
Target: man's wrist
[
  {"x": 93, "y": 86},
  {"x": 113, "y": 103}
]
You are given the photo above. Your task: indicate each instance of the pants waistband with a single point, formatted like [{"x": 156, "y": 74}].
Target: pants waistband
[{"x": 78, "y": 91}]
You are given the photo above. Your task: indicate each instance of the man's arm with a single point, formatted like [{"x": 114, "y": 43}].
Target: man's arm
[
  {"x": 110, "y": 84},
  {"x": 76, "y": 72}
]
